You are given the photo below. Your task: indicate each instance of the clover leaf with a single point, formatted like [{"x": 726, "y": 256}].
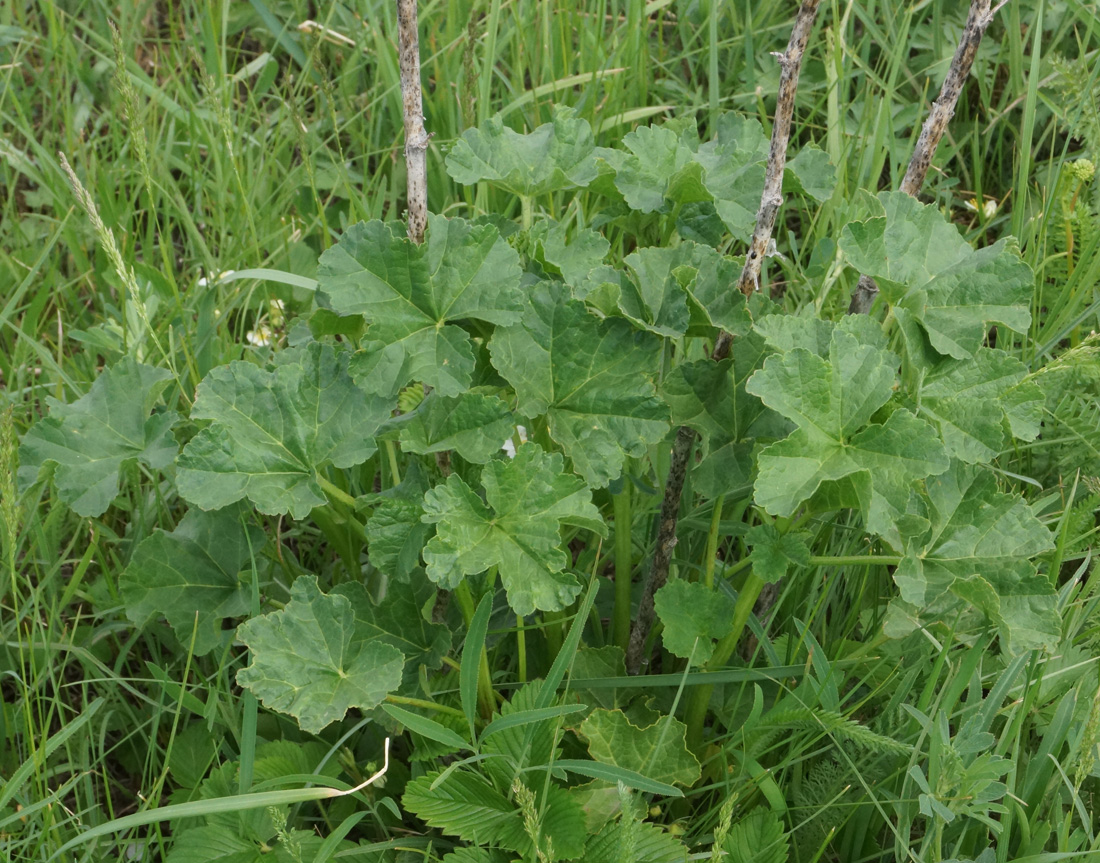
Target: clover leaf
[
  {"x": 315, "y": 660},
  {"x": 412, "y": 296},
  {"x": 517, "y": 528},
  {"x": 932, "y": 275},
  {"x": 832, "y": 400},
  {"x": 601, "y": 409},
  {"x": 557, "y": 155},
  {"x": 274, "y": 431},
  {"x": 92, "y": 438},
  {"x": 191, "y": 575}
]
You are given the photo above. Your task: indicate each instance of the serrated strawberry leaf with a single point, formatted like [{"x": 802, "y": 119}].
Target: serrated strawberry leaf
[
  {"x": 657, "y": 751},
  {"x": 191, "y": 575},
  {"x": 412, "y": 296},
  {"x": 832, "y": 400},
  {"x": 556, "y": 156},
  {"x": 601, "y": 409},
  {"x": 465, "y": 805},
  {"x": 516, "y": 528},
  {"x": 980, "y": 547},
  {"x": 274, "y": 431},
  {"x": 933, "y": 276},
  {"x": 472, "y": 424},
  {"x": 640, "y": 842},
  {"x": 693, "y": 616},
  {"x": 91, "y": 439},
  {"x": 314, "y": 660}
]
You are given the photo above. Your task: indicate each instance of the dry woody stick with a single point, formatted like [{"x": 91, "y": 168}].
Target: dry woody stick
[
  {"x": 416, "y": 137},
  {"x": 943, "y": 109},
  {"x": 791, "y": 65}
]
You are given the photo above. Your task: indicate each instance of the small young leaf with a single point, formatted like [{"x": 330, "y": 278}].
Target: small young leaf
[
  {"x": 658, "y": 751},
  {"x": 191, "y": 575},
  {"x": 273, "y": 431},
  {"x": 410, "y": 296},
  {"x": 395, "y": 532},
  {"x": 659, "y": 158},
  {"x": 656, "y": 299},
  {"x": 733, "y": 165},
  {"x": 600, "y": 410},
  {"x": 575, "y": 258},
  {"x": 774, "y": 553},
  {"x": 91, "y": 438},
  {"x": 693, "y": 616},
  {"x": 811, "y": 172},
  {"x": 517, "y": 527},
  {"x": 472, "y": 424},
  {"x": 314, "y": 660},
  {"x": 556, "y": 156}
]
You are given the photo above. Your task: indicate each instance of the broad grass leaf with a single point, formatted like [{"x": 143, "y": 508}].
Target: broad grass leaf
[
  {"x": 191, "y": 575},
  {"x": 517, "y": 527},
  {"x": 980, "y": 548},
  {"x": 658, "y": 751},
  {"x": 832, "y": 400},
  {"x": 557, "y": 155},
  {"x": 91, "y": 439},
  {"x": 693, "y": 616},
  {"x": 314, "y": 660},
  {"x": 274, "y": 430},
  {"x": 588, "y": 377},
  {"x": 411, "y": 296},
  {"x": 928, "y": 271}
]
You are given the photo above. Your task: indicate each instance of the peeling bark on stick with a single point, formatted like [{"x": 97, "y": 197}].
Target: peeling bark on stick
[
  {"x": 943, "y": 109},
  {"x": 662, "y": 554},
  {"x": 770, "y": 201},
  {"x": 416, "y": 137}
]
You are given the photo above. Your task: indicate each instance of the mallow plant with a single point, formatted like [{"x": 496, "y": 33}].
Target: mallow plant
[{"x": 476, "y": 600}]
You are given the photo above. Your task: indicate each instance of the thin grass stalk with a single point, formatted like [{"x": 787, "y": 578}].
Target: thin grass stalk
[
  {"x": 416, "y": 137},
  {"x": 770, "y": 200},
  {"x": 943, "y": 109}
]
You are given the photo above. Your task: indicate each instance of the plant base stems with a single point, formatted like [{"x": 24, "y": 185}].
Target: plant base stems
[
  {"x": 700, "y": 696},
  {"x": 623, "y": 567},
  {"x": 662, "y": 554}
]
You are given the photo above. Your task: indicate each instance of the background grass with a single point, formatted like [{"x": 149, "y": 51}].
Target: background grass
[{"x": 223, "y": 135}]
